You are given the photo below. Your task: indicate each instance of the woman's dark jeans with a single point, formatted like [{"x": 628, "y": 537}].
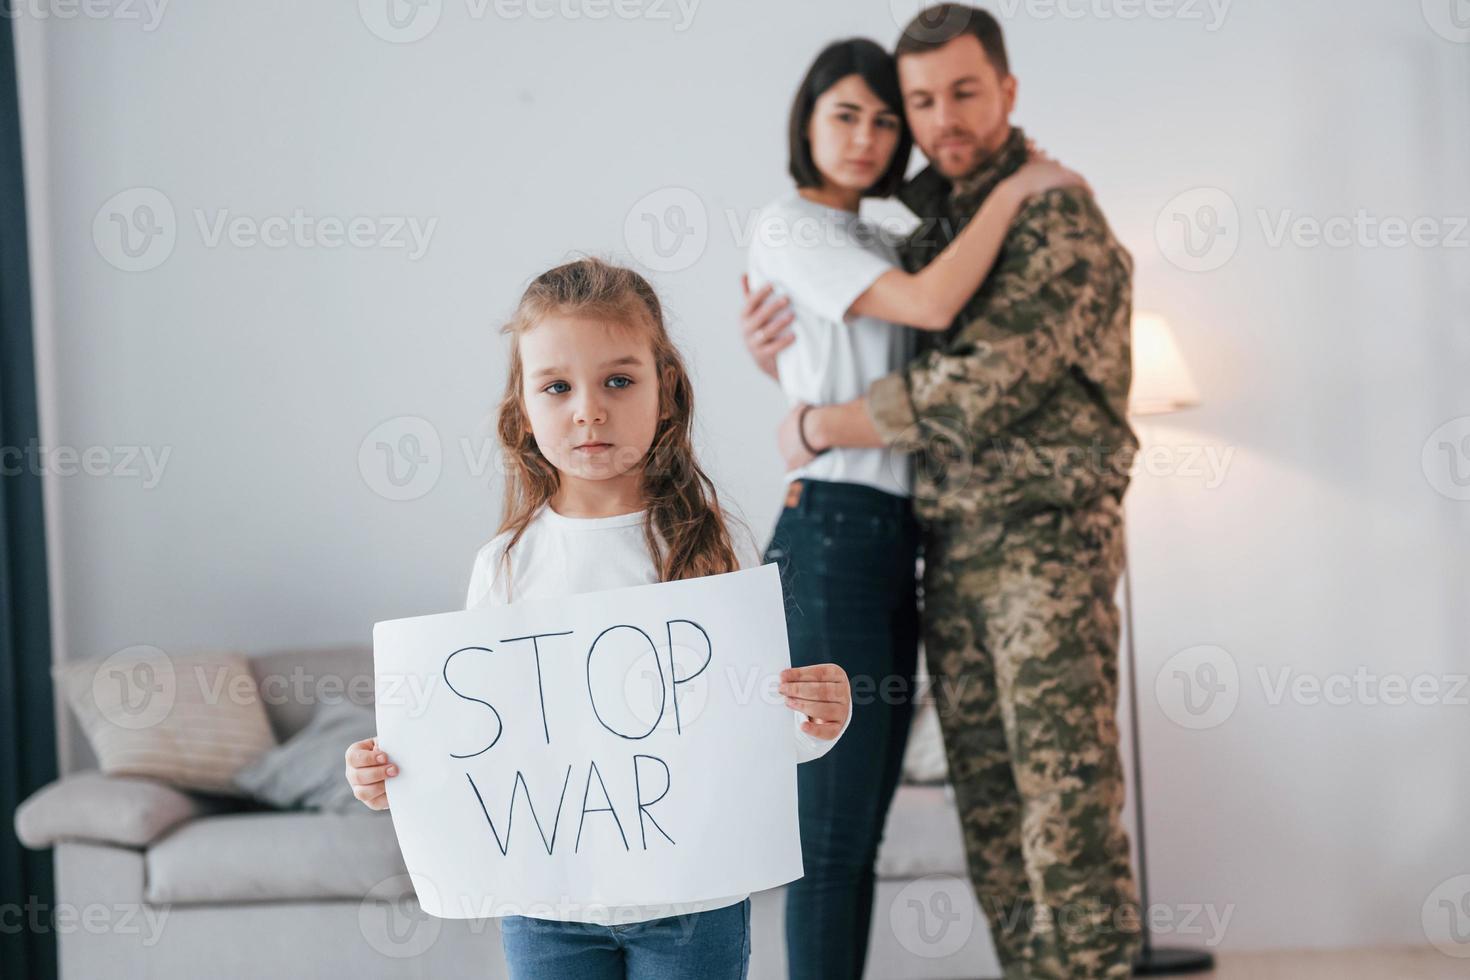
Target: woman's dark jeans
[{"x": 846, "y": 554}]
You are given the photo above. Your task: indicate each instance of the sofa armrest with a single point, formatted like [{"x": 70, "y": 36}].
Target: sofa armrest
[{"x": 128, "y": 811}]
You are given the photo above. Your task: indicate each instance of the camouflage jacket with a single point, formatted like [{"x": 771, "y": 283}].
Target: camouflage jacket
[{"x": 1021, "y": 404}]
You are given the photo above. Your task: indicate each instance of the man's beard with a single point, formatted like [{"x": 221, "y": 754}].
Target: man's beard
[
  {"x": 963, "y": 159},
  {"x": 976, "y": 155}
]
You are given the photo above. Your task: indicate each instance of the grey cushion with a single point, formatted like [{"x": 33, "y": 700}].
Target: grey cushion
[
  {"x": 262, "y": 857},
  {"x": 307, "y": 773},
  {"x": 295, "y": 683},
  {"x": 129, "y": 810},
  {"x": 277, "y": 857},
  {"x": 301, "y": 856}
]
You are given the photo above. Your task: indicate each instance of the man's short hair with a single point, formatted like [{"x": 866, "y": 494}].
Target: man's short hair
[{"x": 934, "y": 27}]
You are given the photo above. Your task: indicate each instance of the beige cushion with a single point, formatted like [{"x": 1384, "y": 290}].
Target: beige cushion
[{"x": 191, "y": 720}]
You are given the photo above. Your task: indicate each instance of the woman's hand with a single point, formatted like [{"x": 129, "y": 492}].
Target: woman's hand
[
  {"x": 822, "y": 693},
  {"x": 764, "y": 326},
  {"x": 1040, "y": 173},
  {"x": 367, "y": 771},
  {"x": 788, "y": 439}
]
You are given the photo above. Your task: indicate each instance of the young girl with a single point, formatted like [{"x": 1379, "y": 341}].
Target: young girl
[
  {"x": 603, "y": 491},
  {"x": 847, "y": 540}
]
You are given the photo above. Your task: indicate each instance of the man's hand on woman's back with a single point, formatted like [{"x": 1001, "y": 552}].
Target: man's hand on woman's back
[{"x": 765, "y": 323}]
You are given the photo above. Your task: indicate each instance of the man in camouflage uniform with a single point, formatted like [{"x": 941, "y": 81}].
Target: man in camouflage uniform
[{"x": 1017, "y": 418}]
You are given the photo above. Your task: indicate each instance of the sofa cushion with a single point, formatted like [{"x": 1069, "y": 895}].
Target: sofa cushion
[
  {"x": 192, "y": 720},
  {"x": 131, "y": 811},
  {"x": 262, "y": 857},
  {"x": 294, "y": 684},
  {"x": 307, "y": 772},
  {"x": 922, "y": 836}
]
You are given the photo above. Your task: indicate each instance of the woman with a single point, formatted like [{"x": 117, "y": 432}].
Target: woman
[{"x": 846, "y": 542}]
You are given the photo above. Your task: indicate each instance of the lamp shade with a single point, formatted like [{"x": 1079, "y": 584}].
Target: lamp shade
[{"x": 1161, "y": 379}]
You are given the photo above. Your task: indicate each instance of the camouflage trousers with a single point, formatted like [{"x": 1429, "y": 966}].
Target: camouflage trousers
[{"x": 1021, "y": 637}]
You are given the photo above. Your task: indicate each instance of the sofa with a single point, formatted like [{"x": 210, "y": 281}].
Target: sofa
[{"x": 157, "y": 882}]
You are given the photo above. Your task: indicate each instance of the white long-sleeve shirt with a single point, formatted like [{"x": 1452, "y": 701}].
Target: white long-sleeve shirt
[{"x": 561, "y": 556}]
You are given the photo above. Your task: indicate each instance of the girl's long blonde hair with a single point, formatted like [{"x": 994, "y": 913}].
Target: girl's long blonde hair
[{"x": 685, "y": 531}]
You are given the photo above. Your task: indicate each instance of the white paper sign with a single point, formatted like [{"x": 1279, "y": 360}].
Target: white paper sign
[{"x": 626, "y": 747}]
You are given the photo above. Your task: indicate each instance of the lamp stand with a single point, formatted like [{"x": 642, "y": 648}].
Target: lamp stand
[{"x": 1152, "y": 960}]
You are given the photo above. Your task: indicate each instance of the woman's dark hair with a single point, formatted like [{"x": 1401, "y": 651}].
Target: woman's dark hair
[{"x": 855, "y": 56}]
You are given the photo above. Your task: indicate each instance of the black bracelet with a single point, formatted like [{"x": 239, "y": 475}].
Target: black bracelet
[{"x": 801, "y": 431}]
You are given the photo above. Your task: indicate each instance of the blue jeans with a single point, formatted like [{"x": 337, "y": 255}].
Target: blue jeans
[
  {"x": 713, "y": 945},
  {"x": 847, "y": 556}
]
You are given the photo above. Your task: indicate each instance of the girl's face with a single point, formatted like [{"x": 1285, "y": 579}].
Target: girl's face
[
  {"x": 590, "y": 390},
  {"x": 853, "y": 134}
]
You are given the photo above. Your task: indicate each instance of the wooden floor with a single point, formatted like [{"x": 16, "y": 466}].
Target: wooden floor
[{"x": 1356, "y": 964}]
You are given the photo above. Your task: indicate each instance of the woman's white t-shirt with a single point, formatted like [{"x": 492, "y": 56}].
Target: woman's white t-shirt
[
  {"x": 823, "y": 259},
  {"x": 561, "y": 556}
]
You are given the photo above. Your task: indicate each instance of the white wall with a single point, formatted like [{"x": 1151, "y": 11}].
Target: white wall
[{"x": 1325, "y": 547}]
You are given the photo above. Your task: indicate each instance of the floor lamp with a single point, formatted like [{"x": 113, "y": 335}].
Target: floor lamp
[{"x": 1161, "y": 384}]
